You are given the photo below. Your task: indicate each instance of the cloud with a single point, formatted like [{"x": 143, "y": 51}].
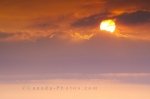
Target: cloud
[
  {"x": 134, "y": 18},
  {"x": 77, "y": 76},
  {"x": 36, "y": 19},
  {"x": 125, "y": 74},
  {"x": 44, "y": 25},
  {"x": 24, "y": 35},
  {"x": 133, "y": 25},
  {"x": 78, "y": 36},
  {"x": 5, "y": 35},
  {"x": 89, "y": 21},
  {"x": 115, "y": 6},
  {"x": 128, "y": 3}
]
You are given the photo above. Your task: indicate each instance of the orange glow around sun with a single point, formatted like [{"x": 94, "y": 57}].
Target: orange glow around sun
[{"x": 108, "y": 25}]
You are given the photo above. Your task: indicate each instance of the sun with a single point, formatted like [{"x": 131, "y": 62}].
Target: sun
[{"x": 108, "y": 25}]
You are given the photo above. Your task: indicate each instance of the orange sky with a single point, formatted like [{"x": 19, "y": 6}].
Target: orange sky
[{"x": 35, "y": 19}]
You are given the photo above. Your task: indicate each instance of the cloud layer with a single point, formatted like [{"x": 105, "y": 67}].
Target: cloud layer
[{"x": 39, "y": 19}]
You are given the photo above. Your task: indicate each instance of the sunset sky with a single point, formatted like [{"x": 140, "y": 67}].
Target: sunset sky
[
  {"x": 44, "y": 37},
  {"x": 68, "y": 43}
]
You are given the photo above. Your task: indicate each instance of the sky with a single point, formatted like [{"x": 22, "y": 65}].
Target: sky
[
  {"x": 104, "y": 90},
  {"x": 44, "y": 37},
  {"x": 59, "y": 43}
]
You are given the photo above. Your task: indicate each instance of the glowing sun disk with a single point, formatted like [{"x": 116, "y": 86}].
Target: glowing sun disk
[{"x": 108, "y": 25}]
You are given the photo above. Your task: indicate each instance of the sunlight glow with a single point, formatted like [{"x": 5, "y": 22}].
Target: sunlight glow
[{"x": 108, "y": 25}]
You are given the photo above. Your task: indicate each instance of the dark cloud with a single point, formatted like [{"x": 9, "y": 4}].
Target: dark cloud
[
  {"x": 5, "y": 35},
  {"x": 90, "y": 21},
  {"x": 137, "y": 17},
  {"x": 134, "y": 18},
  {"x": 118, "y": 6},
  {"x": 44, "y": 25},
  {"x": 127, "y": 4}
]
